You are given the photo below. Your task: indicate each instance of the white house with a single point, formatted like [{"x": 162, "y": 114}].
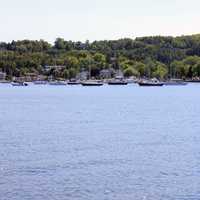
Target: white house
[{"x": 82, "y": 75}]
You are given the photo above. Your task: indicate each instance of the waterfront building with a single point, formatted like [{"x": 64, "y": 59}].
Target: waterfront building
[
  {"x": 106, "y": 73},
  {"x": 56, "y": 67},
  {"x": 82, "y": 75},
  {"x": 119, "y": 74}
]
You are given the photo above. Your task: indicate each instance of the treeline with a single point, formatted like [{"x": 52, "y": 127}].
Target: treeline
[{"x": 157, "y": 56}]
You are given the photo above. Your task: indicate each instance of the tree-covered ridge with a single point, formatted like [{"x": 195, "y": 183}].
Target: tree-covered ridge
[{"x": 156, "y": 56}]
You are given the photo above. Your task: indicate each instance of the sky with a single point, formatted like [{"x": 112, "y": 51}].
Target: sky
[{"x": 81, "y": 20}]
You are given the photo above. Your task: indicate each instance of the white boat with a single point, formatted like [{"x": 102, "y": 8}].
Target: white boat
[
  {"x": 73, "y": 82},
  {"x": 151, "y": 83},
  {"x": 92, "y": 83},
  {"x": 175, "y": 82},
  {"x": 40, "y": 82},
  {"x": 57, "y": 83},
  {"x": 118, "y": 81},
  {"x": 19, "y": 84}
]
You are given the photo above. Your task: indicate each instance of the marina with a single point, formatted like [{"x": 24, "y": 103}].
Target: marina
[{"x": 122, "y": 82}]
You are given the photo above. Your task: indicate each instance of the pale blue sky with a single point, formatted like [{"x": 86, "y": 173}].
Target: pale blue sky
[{"x": 96, "y": 19}]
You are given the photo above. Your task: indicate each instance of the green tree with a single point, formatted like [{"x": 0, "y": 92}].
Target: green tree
[
  {"x": 66, "y": 74},
  {"x": 180, "y": 69},
  {"x": 141, "y": 68},
  {"x": 72, "y": 73},
  {"x": 60, "y": 44},
  {"x": 196, "y": 70},
  {"x": 130, "y": 71},
  {"x": 71, "y": 62},
  {"x": 160, "y": 71}
]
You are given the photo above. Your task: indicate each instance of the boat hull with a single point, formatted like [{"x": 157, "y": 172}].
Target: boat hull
[
  {"x": 92, "y": 84},
  {"x": 175, "y": 84},
  {"x": 40, "y": 82},
  {"x": 57, "y": 83},
  {"x": 117, "y": 83},
  {"x": 19, "y": 84},
  {"x": 73, "y": 83},
  {"x": 151, "y": 84},
  {"x": 193, "y": 81}
]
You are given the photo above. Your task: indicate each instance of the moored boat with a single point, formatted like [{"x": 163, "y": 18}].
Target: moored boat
[
  {"x": 117, "y": 81},
  {"x": 19, "y": 84},
  {"x": 195, "y": 80},
  {"x": 151, "y": 83},
  {"x": 113, "y": 82},
  {"x": 39, "y": 82},
  {"x": 58, "y": 83},
  {"x": 73, "y": 82},
  {"x": 92, "y": 83},
  {"x": 175, "y": 82}
]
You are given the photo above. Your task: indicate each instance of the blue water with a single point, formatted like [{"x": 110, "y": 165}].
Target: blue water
[{"x": 105, "y": 143}]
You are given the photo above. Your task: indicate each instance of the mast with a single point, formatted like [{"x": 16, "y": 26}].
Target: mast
[{"x": 89, "y": 76}]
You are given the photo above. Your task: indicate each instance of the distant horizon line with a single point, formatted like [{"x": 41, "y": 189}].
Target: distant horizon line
[{"x": 133, "y": 38}]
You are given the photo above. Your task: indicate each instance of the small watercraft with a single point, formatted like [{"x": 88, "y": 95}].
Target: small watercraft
[
  {"x": 151, "y": 83},
  {"x": 92, "y": 83},
  {"x": 117, "y": 81},
  {"x": 57, "y": 83},
  {"x": 175, "y": 82},
  {"x": 73, "y": 82},
  {"x": 40, "y": 82},
  {"x": 19, "y": 84},
  {"x": 196, "y": 80}
]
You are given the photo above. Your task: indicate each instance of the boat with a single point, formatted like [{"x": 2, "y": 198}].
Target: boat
[
  {"x": 92, "y": 83},
  {"x": 73, "y": 82},
  {"x": 175, "y": 82},
  {"x": 57, "y": 83},
  {"x": 194, "y": 80},
  {"x": 19, "y": 84},
  {"x": 151, "y": 83},
  {"x": 117, "y": 81},
  {"x": 40, "y": 82}
]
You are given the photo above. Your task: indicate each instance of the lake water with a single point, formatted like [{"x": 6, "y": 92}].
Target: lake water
[{"x": 99, "y": 143}]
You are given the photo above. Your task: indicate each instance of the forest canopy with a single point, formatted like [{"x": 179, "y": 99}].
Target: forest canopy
[{"x": 156, "y": 56}]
